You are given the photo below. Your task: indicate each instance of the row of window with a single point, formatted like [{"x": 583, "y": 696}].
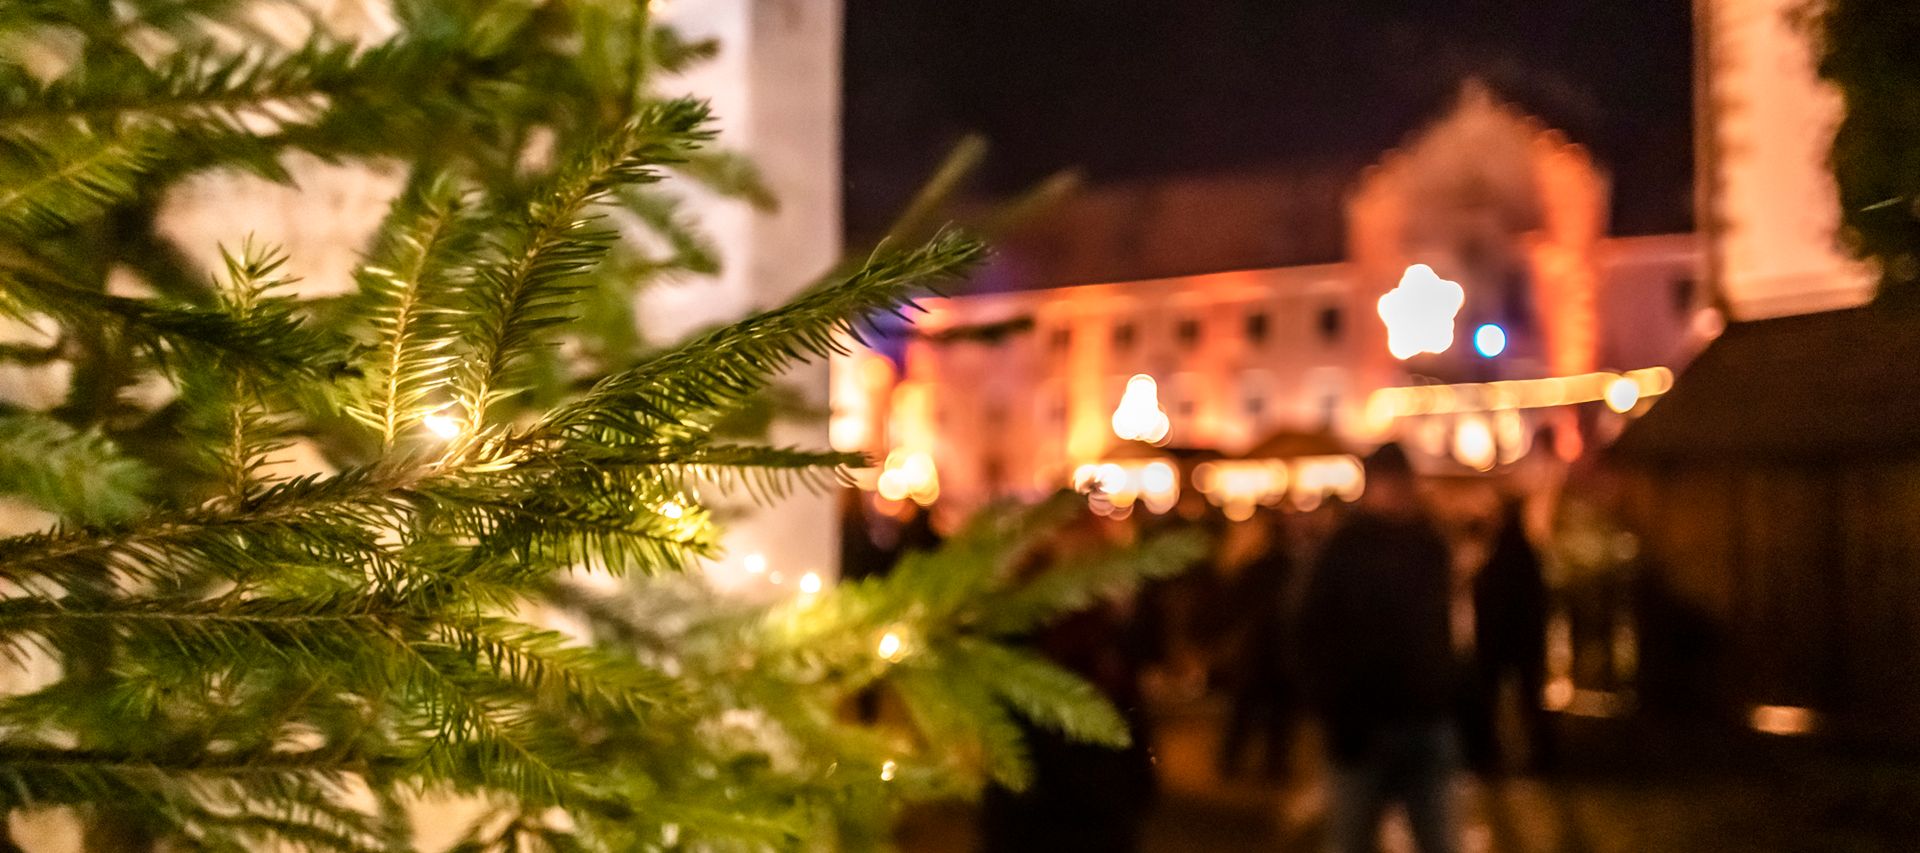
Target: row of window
[
  {"x": 1329, "y": 323},
  {"x": 1253, "y": 405}
]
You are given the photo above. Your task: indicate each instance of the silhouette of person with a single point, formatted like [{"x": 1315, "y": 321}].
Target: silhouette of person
[
  {"x": 1377, "y": 657},
  {"x": 1261, "y": 670},
  {"x": 1510, "y": 641}
]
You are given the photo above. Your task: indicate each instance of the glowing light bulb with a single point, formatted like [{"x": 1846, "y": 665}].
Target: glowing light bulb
[
  {"x": 909, "y": 474},
  {"x": 888, "y": 769},
  {"x": 1139, "y": 417},
  {"x": 445, "y": 426},
  {"x": 1157, "y": 477},
  {"x": 756, "y": 563},
  {"x": 1160, "y": 486},
  {"x": 1473, "y": 443},
  {"x": 1419, "y": 312},
  {"x": 1622, "y": 394},
  {"x": 1781, "y": 719},
  {"x": 1490, "y": 340},
  {"x": 891, "y": 647},
  {"x": 672, "y": 509},
  {"x": 810, "y": 583}
]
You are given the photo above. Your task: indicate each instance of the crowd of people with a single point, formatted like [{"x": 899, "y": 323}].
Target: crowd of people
[{"x": 1396, "y": 643}]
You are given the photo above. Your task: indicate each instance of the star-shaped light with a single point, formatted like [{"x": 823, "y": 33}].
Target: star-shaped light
[{"x": 1419, "y": 313}]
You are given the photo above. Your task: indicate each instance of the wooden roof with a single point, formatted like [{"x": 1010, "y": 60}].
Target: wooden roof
[{"x": 1812, "y": 388}]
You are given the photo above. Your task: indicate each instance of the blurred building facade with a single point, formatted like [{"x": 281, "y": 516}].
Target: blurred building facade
[{"x": 1010, "y": 393}]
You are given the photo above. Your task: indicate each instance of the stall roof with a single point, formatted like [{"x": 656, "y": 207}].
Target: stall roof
[{"x": 1807, "y": 388}]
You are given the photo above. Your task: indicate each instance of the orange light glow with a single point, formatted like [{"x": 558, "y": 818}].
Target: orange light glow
[
  {"x": 1139, "y": 417},
  {"x": 1781, "y": 719}
]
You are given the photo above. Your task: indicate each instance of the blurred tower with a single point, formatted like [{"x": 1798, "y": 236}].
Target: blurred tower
[
  {"x": 1766, "y": 198},
  {"x": 1513, "y": 211}
]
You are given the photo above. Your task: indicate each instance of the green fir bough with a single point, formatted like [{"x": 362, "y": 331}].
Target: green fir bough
[{"x": 216, "y": 648}]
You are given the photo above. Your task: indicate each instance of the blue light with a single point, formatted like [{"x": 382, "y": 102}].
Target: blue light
[{"x": 1490, "y": 340}]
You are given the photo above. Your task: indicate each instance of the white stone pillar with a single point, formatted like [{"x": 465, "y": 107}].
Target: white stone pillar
[{"x": 775, "y": 88}]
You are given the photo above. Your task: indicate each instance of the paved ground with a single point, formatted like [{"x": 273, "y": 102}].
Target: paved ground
[{"x": 1621, "y": 790}]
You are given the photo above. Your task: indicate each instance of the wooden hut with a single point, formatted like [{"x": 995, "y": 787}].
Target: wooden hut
[{"x": 1776, "y": 495}]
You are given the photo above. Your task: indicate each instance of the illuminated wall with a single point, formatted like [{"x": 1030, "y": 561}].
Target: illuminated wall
[
  {"x": 1770, "y": 206},
  {"x": 1488, "y": 196},
  {"x": 1236, "y": 356},
  {"x": 1508, "y": 208}
]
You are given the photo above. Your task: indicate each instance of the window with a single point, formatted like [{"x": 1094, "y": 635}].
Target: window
[
  {"x": 1257, "y": 328},
  {"x": 1329, "y": 323},
  {"x": 1517, "y": 306},
  {"x": 1050, "y": 405},
  {"x": 1060, "y": 340},
  {"x": 1188, "y": 332},
  {"x": 1683, "y": 295},
  {"x": 1123, "y": 337},
  {"x": 1326, "y": 388}
]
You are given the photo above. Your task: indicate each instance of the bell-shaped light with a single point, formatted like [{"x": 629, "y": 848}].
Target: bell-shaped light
[{"x": 1139, "y": 416}]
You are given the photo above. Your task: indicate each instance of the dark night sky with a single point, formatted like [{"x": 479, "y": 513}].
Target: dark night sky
[{"x": 1130, "y": 89}]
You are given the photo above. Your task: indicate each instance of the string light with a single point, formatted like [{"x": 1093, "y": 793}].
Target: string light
[
  {"x": 1781, "y": 719},
  {"x": 810, "y": 583},
  {"x": 756, "y": 563},
  {"x": 1154, "y": 482},
  {"x": 673, "y": 510},
  {"x": 1473, "y": 443},
  {"x": 1546, "y": 392},
  {"x": 909, "y": 474},
  {"x": 887, "y": 770},
  {"x": 1622, "y": 394},
  {"x": 1237, "y": 486},
  {"x": 445, "y": 426},
  {"x": 891, "y": 647}
]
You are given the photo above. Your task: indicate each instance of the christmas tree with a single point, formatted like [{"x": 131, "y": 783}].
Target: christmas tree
[
  {"x": 1864, "y": 47},
  {"x": 214, "y": 649}
]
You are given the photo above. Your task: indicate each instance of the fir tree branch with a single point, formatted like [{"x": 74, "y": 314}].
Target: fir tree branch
[
  {"x": 1084, "y": 580},
  {"x": 214, "y": 92},
  {"x": 306, "y": 511},
  {"x": 530, "y": 285},
  {"x": 54, "y": 190},
  {"x": 1043, "y": 692},
  {"x": 725, "y": 366},
  {"x": 956, "y": 711},
  {"x": 551, "y": 665},
  {"x": 274, "y": 340},
  {"x": 81, "y": 476},
  {"x": 407, "y": 288},
  {"x": 482, "y": 730}
]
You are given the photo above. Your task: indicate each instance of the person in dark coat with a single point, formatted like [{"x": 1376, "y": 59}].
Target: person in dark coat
[
  {"x": 1377, "y": 660},
  {"x": 1261, "y": 673},
  {"x": 1510, "y": 642}
]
